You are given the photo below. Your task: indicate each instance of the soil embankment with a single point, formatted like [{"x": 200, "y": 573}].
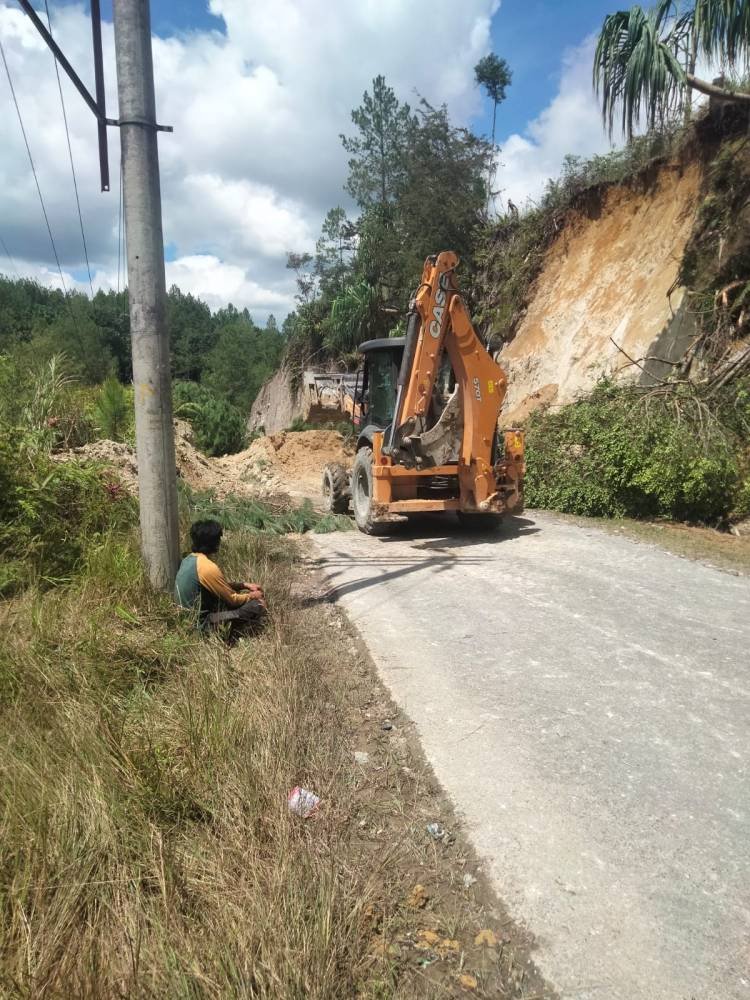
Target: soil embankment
[
  {"x": 277, "y": 404},
  {"x": 606, "y": 293}
]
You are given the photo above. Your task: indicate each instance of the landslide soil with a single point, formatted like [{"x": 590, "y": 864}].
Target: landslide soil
[
  {"x": 613, "y": 274},
  {"x": 290, "y": 462}
]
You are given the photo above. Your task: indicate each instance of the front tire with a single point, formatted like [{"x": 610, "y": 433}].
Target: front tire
[
  {"x": 336, "y": 488},
  {"x": 362, "y": 493}
]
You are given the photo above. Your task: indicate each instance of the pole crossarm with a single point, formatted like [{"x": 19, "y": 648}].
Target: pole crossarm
[
  {"x": 96, "y": 104},
  {"x": 58, "y": 54}
]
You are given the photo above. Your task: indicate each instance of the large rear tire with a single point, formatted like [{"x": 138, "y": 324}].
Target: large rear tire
[
  {"x": 362, "y": 492},
  {"x": 336, "y": 488}
]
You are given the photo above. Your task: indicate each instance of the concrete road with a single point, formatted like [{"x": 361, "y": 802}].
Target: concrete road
[{"x": 585, "y": 701}]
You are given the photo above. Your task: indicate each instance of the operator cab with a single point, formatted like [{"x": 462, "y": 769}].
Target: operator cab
[
  {"x": 379, "y": 378},
  {"x": 377, "y": 384}
]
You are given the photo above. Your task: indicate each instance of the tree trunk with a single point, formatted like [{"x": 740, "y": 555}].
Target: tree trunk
[{"x": 711, "y": 90}]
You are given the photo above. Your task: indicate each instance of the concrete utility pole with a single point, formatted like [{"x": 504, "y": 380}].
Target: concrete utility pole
[{"x": 154, "y": 434}]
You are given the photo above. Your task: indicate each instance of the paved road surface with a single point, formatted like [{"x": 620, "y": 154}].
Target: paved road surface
[{"x": 585, "y": 701}]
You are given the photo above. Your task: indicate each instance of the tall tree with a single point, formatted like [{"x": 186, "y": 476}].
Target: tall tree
[
  {"x": 444, "y": 193},
  {"x": 334, "y": 251},
  {"x": 191, "y": 333},
  {"x": 377, "y": 151},
  {"x": 644, "y": 65},
  {"x": 302, "y": 265},
  {"x": 494, "y": 74}
]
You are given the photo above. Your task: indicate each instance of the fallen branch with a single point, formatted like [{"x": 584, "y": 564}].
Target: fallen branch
[{"x": 638, "y": 364}]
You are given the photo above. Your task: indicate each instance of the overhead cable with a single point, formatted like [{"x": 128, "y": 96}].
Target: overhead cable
[
  {"x": 36, "y": 179},
  {"x": 70, "y": 155},
  {"x": 7, "y": 253}
]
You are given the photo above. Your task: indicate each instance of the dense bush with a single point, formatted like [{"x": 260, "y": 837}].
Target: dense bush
[
  {"x": 219, "y": 427},
  {"x": 51, "y": 513},
  {"x": 623, "y": 452}
]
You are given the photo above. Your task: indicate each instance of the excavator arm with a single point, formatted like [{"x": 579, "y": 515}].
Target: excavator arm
[{"x": 465, "y": 431}]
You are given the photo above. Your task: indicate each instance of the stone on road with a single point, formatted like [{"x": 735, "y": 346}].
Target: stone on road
[{"x": 585, "y": 701}]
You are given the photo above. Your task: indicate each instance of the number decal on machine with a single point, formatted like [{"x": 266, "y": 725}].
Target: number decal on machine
[{"x": 478, "y": 389}]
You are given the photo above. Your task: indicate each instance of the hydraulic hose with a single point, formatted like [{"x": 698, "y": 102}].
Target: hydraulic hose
[{"x": 407, "y": 360}]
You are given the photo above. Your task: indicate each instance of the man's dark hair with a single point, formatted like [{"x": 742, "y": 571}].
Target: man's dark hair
[{"x": 205, "y": 536}]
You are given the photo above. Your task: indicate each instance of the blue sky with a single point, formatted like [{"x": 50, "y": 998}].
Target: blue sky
[
  {"x": 258, "y": 99},
  {"x": 531, "y": 35}
]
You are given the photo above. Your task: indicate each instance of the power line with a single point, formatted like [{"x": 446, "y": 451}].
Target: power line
[
  {"x": 70, "y": 155},
  {"x": 36, "y": 179},
  {"x": 12, "y": 263}
]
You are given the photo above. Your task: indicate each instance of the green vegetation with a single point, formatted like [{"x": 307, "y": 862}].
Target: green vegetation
[
  {"x": 220, "y": 428},
  {"x": 88, "y": 340},
  {"x": 114, "y": 411},
  {"x": 243, "y": 514},
  {"x": 146, "y": 846},
  {"x": 494, "y": 75},
  {"x": 716, "y": 264},
  {"x": 679, "y": 453},
  {"x": 52, "y": 515}
]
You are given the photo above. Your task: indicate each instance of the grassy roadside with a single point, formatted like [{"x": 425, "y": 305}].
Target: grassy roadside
[
  {"x": 146, "y": 849},
  {"x": 146, "y": 846},
  {"x": 717, "y": 548}
]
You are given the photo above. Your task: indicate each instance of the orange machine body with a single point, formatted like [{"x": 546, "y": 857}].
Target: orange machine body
[{"x": 487, "y": 474}]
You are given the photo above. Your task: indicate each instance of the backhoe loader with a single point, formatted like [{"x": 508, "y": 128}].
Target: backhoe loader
[{"x": 426, "y": 409}]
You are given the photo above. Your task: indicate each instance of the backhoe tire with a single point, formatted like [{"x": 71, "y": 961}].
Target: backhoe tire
[
  {"x": 336, "y": 490},
  {"x": 474, "y": 521},
  {"x": 362, "y": 491}
]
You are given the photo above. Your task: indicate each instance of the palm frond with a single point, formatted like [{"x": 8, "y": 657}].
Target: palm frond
[
  {"x": 636, "y": 69},
  {"x": 354, "y": 317},
  {"x": 722, "y": 29}
]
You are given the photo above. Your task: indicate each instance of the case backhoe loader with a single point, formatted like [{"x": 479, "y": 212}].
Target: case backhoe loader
[{"x": 426, "y": 409}]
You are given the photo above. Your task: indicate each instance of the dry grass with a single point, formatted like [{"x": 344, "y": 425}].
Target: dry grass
[
  {"x": 716, "y": 548},
  {"x": 145, "y": 845}
]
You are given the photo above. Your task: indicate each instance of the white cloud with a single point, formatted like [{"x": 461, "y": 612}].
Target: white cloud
[
  {"x": 218, "y": 283},
  {"x": 571, "y": 123},
  {"x": 255, "y": 159}
]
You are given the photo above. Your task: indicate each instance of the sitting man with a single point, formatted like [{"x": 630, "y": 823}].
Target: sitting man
[{"x": 201, "y": 586}]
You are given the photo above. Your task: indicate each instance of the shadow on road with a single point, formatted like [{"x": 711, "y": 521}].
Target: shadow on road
[
  {"x": 448, "y": 533},
  {"x": 433, "y": 541}
]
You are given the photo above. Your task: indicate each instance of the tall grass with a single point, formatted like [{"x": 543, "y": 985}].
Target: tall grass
[{"x": 145, "y": 843}]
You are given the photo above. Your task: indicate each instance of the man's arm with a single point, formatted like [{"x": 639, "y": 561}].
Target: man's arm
[{"x": 211, "y": 577}]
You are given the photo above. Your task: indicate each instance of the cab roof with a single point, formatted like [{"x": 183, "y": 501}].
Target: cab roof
[{"x": 384, "y": 343}]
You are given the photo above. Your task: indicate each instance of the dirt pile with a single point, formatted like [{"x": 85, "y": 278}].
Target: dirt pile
[
  {"x": 192, "y": 466},
  {"x": 291, "y": 461},
  {"x": 115, "y": 455},
  {"x": 287, "y": 463}
]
